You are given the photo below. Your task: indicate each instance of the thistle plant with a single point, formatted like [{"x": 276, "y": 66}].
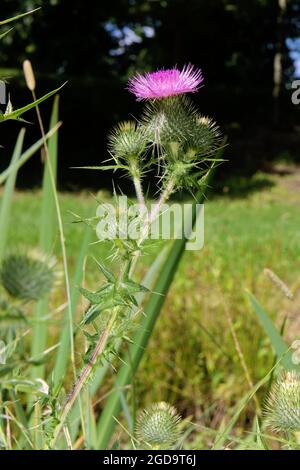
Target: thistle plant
[
  {"x": 283, "y": 406},
  {"x": 175, "y": 139},
  {"x": 158, "y": 427}
]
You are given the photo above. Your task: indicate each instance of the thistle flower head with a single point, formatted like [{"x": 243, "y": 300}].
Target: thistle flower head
[
  {"x": 165, "y": 83},
  {"x": 283, "y": 404},
  {"x": 158, "y": 426},
  {"x": 26, "y": 278}
]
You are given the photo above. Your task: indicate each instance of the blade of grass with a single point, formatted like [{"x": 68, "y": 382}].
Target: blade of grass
[
  {"x": 279, "y": 345},
  {"x": 62, "y": 357},
  {"x": 100, "y": 373},
  {"x": 8, "y": 194},
  {"x": 2, "y": 35}
]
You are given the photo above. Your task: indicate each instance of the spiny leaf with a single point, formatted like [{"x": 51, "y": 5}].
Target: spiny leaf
[
  {"x": 5, "y": 33},
  {"x": 108, "y": 274},
  {"x": 133, "y": 287}
]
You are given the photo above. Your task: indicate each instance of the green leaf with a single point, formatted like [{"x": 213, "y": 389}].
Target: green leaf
[
  {"x": 63, "y": 352},
  {"x": 108, "y": 274},
  {"x": 91, "y": 314},
  {"x": 103, "y": 167},
  {"x": 2, "y": 35},
  {"x": 280, "y": 347},
  {"x": 6, "y": 368},
  {"x": 223, "y": 435}
]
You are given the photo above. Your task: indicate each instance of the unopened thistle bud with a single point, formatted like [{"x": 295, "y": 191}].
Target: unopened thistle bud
[
  {"x": 29, "y": 75},
  {"x": 26, "y": 278},
  {"x": 283, "y": 404},
  {"x": 158, "y": 426}
]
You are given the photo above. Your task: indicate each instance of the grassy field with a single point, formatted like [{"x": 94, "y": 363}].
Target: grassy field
[{"x": 192, "y": 360}]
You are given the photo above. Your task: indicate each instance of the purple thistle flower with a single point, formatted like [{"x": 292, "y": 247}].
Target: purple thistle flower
[{"x": 164, "y": 83}]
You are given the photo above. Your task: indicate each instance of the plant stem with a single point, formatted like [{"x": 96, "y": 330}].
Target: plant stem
[
  {"x": 139, "y": 191},
  {"x": 297, "y": 436},
  {"x": 99, "y": 349},
  {"x": 165, "y": 195}
]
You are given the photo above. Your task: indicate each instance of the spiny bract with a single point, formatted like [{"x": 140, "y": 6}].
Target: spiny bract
[{"x": 165, "y": 82}]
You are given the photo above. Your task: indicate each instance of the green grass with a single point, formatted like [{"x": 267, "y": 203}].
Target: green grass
[{"x": 191, "y": 360}]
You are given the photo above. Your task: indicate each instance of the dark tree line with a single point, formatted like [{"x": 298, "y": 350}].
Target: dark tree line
[{"x": 97, "y": 45}]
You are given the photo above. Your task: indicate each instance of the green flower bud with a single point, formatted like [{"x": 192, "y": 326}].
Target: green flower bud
[{"x": 127, "y": 141}]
